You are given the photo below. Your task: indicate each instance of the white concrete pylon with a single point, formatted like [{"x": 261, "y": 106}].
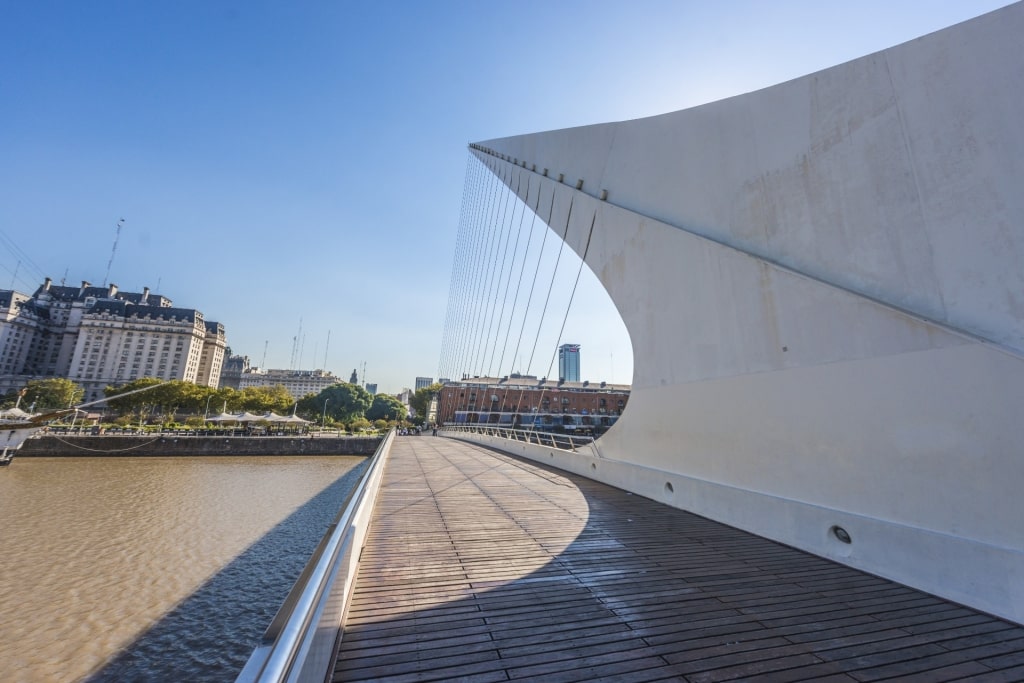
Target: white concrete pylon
[{"x": 823, "y": 286}]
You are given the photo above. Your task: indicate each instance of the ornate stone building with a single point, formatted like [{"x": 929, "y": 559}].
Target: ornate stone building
[
  {"x": 231, "y": 374},
  {"x": 100, "y": 336},
  {"x": 298, "y": 383}
]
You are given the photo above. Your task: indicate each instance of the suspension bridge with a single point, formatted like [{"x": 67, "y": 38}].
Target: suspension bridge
[{"x": 816, "y": 475}]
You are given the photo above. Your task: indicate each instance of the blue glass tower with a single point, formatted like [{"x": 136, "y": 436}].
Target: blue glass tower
[{"x": 569, "y": 362}]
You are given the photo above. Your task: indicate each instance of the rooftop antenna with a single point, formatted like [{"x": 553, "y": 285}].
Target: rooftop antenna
[
  {"x": 15, "y": 276},
  {"x": 263, "y": 362},
  {"x": 64, "y": 279},
  {"x": 295, "y": 346},
  {"x": 117, "y": 236},
  {"x": 364, "y": 373},
  {"x": 326, "y": 346}
]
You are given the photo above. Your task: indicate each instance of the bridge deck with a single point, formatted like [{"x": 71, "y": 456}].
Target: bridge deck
[{"x": 482, "y": 567}]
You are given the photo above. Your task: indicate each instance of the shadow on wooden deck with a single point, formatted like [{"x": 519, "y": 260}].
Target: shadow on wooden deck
[{"x": 484, "y": 567}]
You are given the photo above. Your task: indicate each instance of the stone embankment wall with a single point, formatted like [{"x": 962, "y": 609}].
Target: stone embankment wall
[{"x": 170, "y": 445}]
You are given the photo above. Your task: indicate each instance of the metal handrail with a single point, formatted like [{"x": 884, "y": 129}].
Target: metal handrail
[
  {"x": 301, "y": 642},
  {"x": 562, "y": 442}
]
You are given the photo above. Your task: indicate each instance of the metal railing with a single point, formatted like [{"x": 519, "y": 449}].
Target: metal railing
[
  {"x": 301, "y": 642},
  {"x": 560, "y": 441}
]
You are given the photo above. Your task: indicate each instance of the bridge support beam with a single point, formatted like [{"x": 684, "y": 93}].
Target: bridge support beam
[{"x": 822, "y": 284}]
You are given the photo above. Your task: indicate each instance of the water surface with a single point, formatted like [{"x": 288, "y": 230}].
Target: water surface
[{"x": 157, "y": 569}]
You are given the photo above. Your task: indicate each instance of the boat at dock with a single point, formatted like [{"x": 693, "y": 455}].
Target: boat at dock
[{"x": 18, "y": 427}]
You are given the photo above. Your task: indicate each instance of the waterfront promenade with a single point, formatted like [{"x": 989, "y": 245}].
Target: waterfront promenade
[
  {"x": 483, "y": 567},
  {"x": 192, "y": 445}
]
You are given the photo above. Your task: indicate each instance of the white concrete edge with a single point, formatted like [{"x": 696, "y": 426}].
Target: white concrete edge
[{"x": 947, "y": 327}]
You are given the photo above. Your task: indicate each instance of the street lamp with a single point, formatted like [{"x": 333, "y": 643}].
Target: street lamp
[{"x": 323, "y": 420}]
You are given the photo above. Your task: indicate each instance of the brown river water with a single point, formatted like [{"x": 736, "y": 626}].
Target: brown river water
[{"x": 154, "y": 569}]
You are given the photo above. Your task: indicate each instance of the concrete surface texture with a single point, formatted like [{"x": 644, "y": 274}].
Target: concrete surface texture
[{"x": 823, "y": 285}]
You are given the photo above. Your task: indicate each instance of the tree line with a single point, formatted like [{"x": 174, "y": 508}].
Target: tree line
[{"x": 339, "y": 404}]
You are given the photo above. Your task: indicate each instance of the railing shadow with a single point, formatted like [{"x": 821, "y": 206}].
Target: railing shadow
[
  {"x": 531, "y": 608},
  {"x": 637, "y": 591},
  {"x": 210, "y": 635}
]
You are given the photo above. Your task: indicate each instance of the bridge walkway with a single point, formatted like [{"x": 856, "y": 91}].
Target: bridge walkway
[{"x": 483, "y": 567}]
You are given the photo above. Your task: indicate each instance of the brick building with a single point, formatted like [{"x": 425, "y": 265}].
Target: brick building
[{"x": 529, "y": 403}]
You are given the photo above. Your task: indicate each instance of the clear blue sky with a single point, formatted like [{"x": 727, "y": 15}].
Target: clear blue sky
[{"x": 278, "y": 161}]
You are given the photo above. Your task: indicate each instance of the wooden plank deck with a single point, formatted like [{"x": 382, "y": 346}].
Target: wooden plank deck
[{"x": 483, "y": 567}]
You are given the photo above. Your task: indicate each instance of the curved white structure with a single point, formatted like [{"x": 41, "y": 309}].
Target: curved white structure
[{"x": 823, "y": 282}]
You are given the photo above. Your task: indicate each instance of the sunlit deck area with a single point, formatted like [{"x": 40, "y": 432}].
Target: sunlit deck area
[{"x": 483, "y": 567}]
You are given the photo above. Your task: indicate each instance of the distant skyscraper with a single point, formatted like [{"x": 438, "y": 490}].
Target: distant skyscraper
[
  {"x": 371, "y": 388},
  {"x": 422, "y": 382},
  {"x": 569, "y": 362}
]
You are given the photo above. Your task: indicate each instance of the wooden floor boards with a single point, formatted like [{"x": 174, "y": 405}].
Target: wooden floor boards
[{"x": 483, "y": 567}]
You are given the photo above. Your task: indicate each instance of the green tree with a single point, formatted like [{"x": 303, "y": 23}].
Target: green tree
[
  {"x": 140, "y": 402},
  {"x": 340, "y": 402},
  {"x": 51, "y": 394},
  {"x": 168, "y": 396},
  {"x": 187, "y": 397},
  {"x": 123, "y": 421},
  {"x": 205, "y": 401},
  {"x": 385, "y": 407},
  {"x": 420, "y": 400},
  {"x": 360, "y": 424},
  {"x": 306, "y": 408},
  {"x": 9, "y": 399},
  {"x": 262, "y": 399},
  {"x": 310, "y": 407},
  {"x": 226, "y": 399}
]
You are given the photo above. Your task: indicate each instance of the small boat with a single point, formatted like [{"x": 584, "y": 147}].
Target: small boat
[
  {"x": 16, "y": 429},
  {"x": 17, "y": 426}
]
